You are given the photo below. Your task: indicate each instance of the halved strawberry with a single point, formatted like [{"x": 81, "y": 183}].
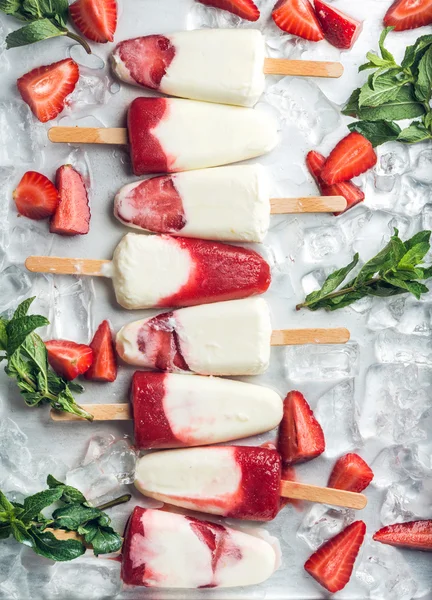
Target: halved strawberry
[
  {"x": 339, "y": 29},
  {"x": 45, "y": 89},
  {"x": 352, "y": 194},
  {"x": 415, "y": 535},
  {"x": 72, "y": 216},
  {"x": 297, "y": 17},
  {"x": 104, "y": 366},
  {"x": 352, "y": 156},
  {"x": 69, "y": 359},
  {"x": 300, "y": 435},
  {"x": 35, "y": 196},
  {"x": 332, "y": 564},
  {"x": 409, "y": 14},
  {"x": 350, "y": 473},
  {"x": 246, "y": 9},
  {"x": 96, "y": 19}
]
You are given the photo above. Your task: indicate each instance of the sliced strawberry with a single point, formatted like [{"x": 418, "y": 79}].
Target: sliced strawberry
[
  {"x": 300, "y": 435},
  {"x": 35, "y": 197},
  {"x": 104, "y": 366},
  {"x": 352, "y": 194},
  {"x": 350, "y": 473},
  {"x": 145, "y": 58},
  {"x": 96, "y": 19},
  {"x": 45, "y": 89},
  {"x": 409, "y": 14},
  {"x": 352, "y": 156},
  {"x": 72, "y": 216},
  {"x": 416, "y": 535},
  {"x": 297, "y": 17},
  {"x": 69, "y": 359},
  {"x": 246, "y": 9},
  {"x": 339, "y": 29},
  {"x": 332, "y": 564}
]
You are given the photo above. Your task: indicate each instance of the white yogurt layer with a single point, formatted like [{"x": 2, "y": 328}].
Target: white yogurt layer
[
  {"x": 204, "y": 479},
  {"x": 209, "y": 410},
  {"x": 217, "y": 65},
  {"x": 197, "y": 135},
  {"x": 173, "y": 555},
  {"x": 148, "y": 268}
]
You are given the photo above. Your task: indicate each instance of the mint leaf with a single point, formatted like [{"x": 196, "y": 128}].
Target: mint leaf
[
  {"x": 61, "y": 8},
  {"x": 33, "y": 505},
  {"x": 5, "y": 505},
  {"x": 3, "y": 334},
  {"x": 46, "y": 544},
  {"x": 416, "y": 132},
  {"x": 73, "y": 515},
  {"x": 387, "y": 258},
  {"x": 386, "y": 88},
  {"x": 414, "y": 53},
  {"x": 418, "y": 238},
  {"x": 23, "y": 308},
  {"x": 351, "y": 107},
  {"x": 102, "y": 538},
  {"x": 404, "y": 106},
  {"x": 388, "y": 56},
  {"x": 377, "y": 132},
  {"x": 5, "y": 532},
  {"x": 35, "y": 31},
  {"x": 18, "y": 329},
  {"x": 332, "y": 281},
  {"x": 423, "y": 85},
  {"x": 70, "y": 495},
  {"x": 21, "y": 533},
  {"x": 10, "y": 7}
]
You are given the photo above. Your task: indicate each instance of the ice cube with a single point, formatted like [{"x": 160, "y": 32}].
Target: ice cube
[
  {"x": 33, "y": 238},
  {"x": 92, "y": 482},
  {"x": 353, "y": 221},
  {"x": 322, "y": 522},
  {"x": 407, "y": 501},
  {"x": 385, "y": 314},
  {"x": 336, "y": 412},
  {"x": 90, "y": 61},
  {"x": 313, "y": 281},
  {"x": 97, "y": 446},
  {"x": 393, "y": 159},
  {"x": 4, "y": 61},
  {"x": 322, "y": 362},
  {"x": 416, "y": 319},
  {"x": 73, "y": 308},
  {"x": 413, "y": 197},
  {"x": 385, "y": 574},
  {"x": 385, "y": 183},
  {"x": 9, "y": 555},
  {"x": 21, "y": 136},
  {"x": 321, "y": 242},
  {"x": 423, "y": 167},
  {"x": 120, "y": 460},
  {"x": 394, "y": 347},
  {"x": 85, "y": 577},
  {"x": 397, "y": 463},
  {"x": 91, "y": 90},
  {"x": 14, "y": 285},
  {"x": 15, "y": 587}
]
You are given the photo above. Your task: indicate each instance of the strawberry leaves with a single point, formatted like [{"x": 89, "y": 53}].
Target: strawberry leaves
[
  {"x": 393, "y": 93},
  {"x": 396, "y": 269}
]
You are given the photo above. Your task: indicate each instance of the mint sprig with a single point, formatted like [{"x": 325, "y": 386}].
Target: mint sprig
[
  {"x": 28, "y": 525},
  {"x": 27, "y": 363},
  {"x": 394, "y": 93},
  {"x": 44, "y": 19},
  {"x": 397, "y": 269}
]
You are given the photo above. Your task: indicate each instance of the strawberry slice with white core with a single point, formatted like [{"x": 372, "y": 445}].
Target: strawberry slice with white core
[
  {"x": 69, "y": 359},
  {"x": 35, "y": 196},
  {"x": 297, "y": 17},
  {"x": 72, "y": 216},
  {"x": 409, "y": 14},
  {"x": 339, "y": 29},
  {"x": 246, "y": 9},
  {"x": 45, "y": 89},
  {"x": 96, "y": 19}
]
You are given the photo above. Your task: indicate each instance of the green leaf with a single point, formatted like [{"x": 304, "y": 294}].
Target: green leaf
[
  {"x": 332, "y": 281},
  {"x": 376, "y": 61},
  {"x": 414, "y": 53},
  {"x": 3, "y": 334},
  {"x": 61, "y": 8},
  {"x": 403, "y": 106},
  {"x": 66, "y": 402},
  {"x": 377, "y": 132},
  {"x": 419, "y": 238},
  {"x": 416, "y": 132},
  {"x": 388, "y": 56},
  {"x": 21, "y": 533},
  {"x": 414, "y": 256},
  {"x": 10, "y": 7},
  {"x": 415, "y": 287},
  {"x": 70, "y": 495},
  {"x": 19, "y": 329},
  {"x": 386, "y": 259},
  {"x": 351, "y": 107},
  {"x": 23, "y": 308},
  {"x": 46, "y": 544},
  {"x": 386, "y": 88},
  {"x": 5, "y": 532},
  {"x": 73, "y": 515},
  {"x": 33, "y": 32},
  {"x": 34, "y": 348},
  {"x": 4, "y": 503},
  {"x": 33, "y": 505},
  {"x": 103, "y": 539},
  {"x": 423, "y": 85}
]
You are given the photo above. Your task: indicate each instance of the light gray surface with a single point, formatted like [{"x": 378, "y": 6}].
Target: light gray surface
[{"x": 365, "y": 394}]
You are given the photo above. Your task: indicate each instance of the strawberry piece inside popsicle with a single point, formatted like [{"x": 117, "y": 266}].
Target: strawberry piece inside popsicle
[{"x": 144, "y": 60}]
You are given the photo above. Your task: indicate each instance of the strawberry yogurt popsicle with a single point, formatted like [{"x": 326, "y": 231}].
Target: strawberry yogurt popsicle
[
  {"x": 216, "y": 65},
  {"x": 157, "y": 271},
  {"x": 226, "y": 338},
  {"x": 224, "y": 203},
  {"x": 241, "y": 482},
  {"x": 171, "y": 411},
  {"x": 168, "y": 550},
  {"x": 168, "y": 135}
]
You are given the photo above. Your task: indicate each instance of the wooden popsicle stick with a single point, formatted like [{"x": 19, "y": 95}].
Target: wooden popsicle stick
[
  {"x": 303, "y": 68},
  {"x": 312, "y": 204},
  {"x": 323, "y": 495},
  {"x": 297, "y": 337},
  {"x": 88, "y": 135},
  {"x": 100, "y": 412},
  {"x": 68, "y": 266}
]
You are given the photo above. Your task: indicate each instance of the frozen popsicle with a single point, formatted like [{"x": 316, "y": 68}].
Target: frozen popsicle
[
  {"x": 242, "y": 482},
  {"x": 224, "y": 203},
  {"x": 156, "y": 271},
  {"x": 168, "y": 135},
  {"x": 167, "y": 550},
  {"x": 226, "y": 338},
  {"x": 216, "y": 65},
  {"x": 173, "y": 411}
]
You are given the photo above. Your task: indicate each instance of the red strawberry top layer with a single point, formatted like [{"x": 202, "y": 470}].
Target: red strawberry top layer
[{"x": 146, "y": 58}]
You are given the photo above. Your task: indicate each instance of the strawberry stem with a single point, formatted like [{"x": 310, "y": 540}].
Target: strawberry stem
[
  {"x": 115, "y": 502},
  {"x": 80, "y": 40}
]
